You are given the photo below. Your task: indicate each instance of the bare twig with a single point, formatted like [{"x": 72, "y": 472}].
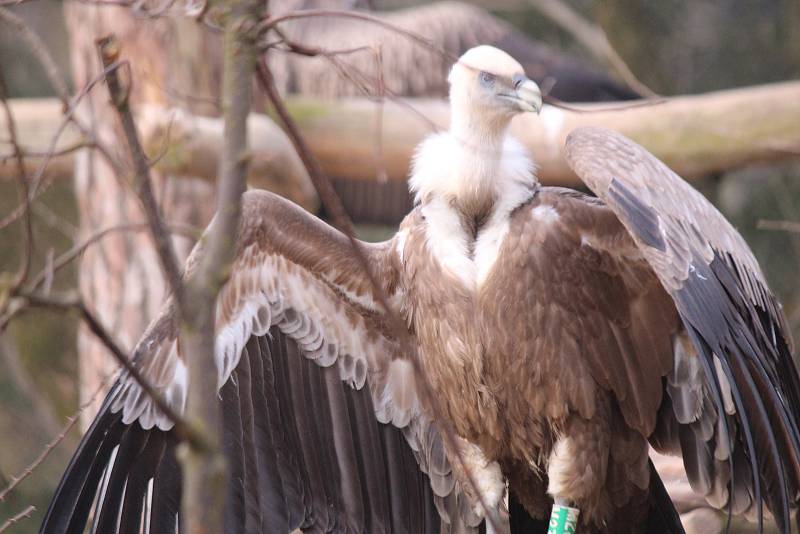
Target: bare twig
[
  {"x": 271, "y": 22},
  {"x": 309, "y": 51},
  {"x": 25, "y": 514},
  {"x": 383, "y": 176},
  {"x": 36, "y": 46},
  {"x": 26, "y": 153},
  {"x": 55, "y": 221},
  {"x": 334, "y": 207},
  {"x": 15, "y": 481},
  {"x": 40, "y": 409},
  {"x": 73, "y": 301},
  {"x": 781, "y": 226},
  {"x": 59, "y": 84},
  {"x": 593, "y": 38},
  {"x": 22, "y": 186},
  {"x": 72, "y": 254},
  {"x": 69, "y": 117},
  {"x": 109, "y": 50},
  {"x": 71, "y": 420},
  {"x": 601, "y": 108}
]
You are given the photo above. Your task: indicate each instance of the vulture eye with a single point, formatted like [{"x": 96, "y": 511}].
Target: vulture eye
[{"x": 487, "y": 79}]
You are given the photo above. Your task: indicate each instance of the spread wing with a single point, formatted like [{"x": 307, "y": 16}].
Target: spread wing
[
  {"x": 323, "y": 428},
  {"x": 734, "y": 392}
]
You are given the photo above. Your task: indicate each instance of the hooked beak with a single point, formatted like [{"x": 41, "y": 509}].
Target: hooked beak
[{"x": 526, "y": 96}]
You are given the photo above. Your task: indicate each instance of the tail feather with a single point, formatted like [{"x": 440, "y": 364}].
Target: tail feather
[{"x": 662, "y": 517}]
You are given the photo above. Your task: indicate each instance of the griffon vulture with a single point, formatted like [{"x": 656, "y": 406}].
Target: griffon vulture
[{"x": 561, "y": 334}]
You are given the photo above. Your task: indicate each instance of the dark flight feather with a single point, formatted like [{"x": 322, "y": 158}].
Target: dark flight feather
[{"x": 261, "y": 497}]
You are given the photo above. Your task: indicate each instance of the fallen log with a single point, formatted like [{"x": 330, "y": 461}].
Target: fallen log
[
  {"x": 359, "y": 139},
  {"x": 694, "y": 135}
]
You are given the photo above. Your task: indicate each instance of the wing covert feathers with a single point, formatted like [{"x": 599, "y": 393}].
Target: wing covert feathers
[{"x": 739, "y": 415}]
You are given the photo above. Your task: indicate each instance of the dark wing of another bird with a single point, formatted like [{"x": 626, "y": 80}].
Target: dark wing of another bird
[
  {"x": 323, "y": 427},
  {"x": 732, "y": 322},
  {"x": 411, "y": 69}
]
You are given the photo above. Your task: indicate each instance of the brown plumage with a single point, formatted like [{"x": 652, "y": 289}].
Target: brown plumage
[
  {"x": 410, "y": 69},
  {"x": 560, "y": 333}
]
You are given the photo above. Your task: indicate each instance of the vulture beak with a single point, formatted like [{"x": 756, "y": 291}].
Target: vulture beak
[{"x": 527, "y": 95}]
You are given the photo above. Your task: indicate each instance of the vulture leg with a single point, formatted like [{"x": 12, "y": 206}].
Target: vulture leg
[{"x": 578, "y": 465}]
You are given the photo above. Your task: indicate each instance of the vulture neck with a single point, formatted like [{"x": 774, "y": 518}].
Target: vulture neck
[
  {"x": 479, "y": 146},
  {"x": 476, "y": 168}
]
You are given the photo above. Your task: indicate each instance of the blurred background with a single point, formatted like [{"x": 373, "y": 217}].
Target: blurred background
[{"x": 673, "y": 47}]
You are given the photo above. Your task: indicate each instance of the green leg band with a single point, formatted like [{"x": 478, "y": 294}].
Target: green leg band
[{"x": 563, "y": 520}]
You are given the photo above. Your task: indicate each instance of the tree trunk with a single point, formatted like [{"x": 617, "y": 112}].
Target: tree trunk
[{"x": 120, "y": 276}]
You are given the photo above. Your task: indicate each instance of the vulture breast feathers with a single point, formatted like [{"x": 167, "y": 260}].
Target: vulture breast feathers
[{"x": 561, "y": 335}]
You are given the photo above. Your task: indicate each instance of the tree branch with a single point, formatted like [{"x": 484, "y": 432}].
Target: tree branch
[
  {"x": 205, "y": 469},
  {"x": 22, "y": 186},
  {"x": 781, "y": 226},
  {"x": 593, "y": 38},
  {"x": 36, "y": 46},
  {"x": 708, "y": 133},
  {"x": 41, "y": 409},
  {"x": 16, "y": 480},
  {"x": 67, "y": 118},
  {"x": 72, "y": 254},
  {"x": 69, "y": 301},
  {"x": 109, "y": 50},
  {"x": 271, "y": 22},
  {"x": 24, "y": 514}
]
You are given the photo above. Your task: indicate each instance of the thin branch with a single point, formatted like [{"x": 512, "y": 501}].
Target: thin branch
[
  {"x": 72, "y": 254},
  {"x": 22, "y": 186},
  {"x": 383, "y": 176},
  {"x": 272, "y": 22},
  {"x": 593, "y": 38},
  {"x": 109, "y": 50},
  {"x": 602, "y": 108},
  {"x": 346, "y": 72},
  {"x": 25, "y": 514},
  {"x": 55, "y": 221},
  {"x": 69, "y": 301},
  {"x": 309, "y": 51},
  {"x": 15, "y": 481},
  {"x": 71, "y": 420},
  {"x": 780, "y": 226},
  {"x": 334, "y": 207},
  {"x": 36, "y": 46},
  {"x": 41, "y": 412},
  {"x": 26, "y": 153},
  {"x": 68, "y": 118},
  {"x": 58, "y": 82}
]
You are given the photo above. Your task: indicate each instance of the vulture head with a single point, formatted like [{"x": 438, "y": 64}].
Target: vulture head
[{"x": 488, "y": 87}]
